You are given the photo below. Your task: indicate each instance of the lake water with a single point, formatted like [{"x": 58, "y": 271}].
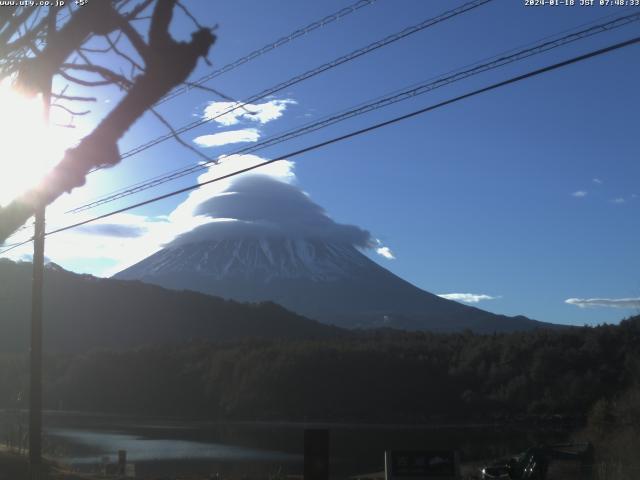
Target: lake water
[{"x": 172, "y": 448}]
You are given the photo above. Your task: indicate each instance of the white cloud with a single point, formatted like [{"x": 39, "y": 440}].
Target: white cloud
[
  {"x": 579, "y": 194},
  {"x": 386, "y": 253},
  {"x": 604, "y": 302},
  {"x": 618, "y": 200},
  {"x": 225, "y": 138},
  {"x": 114, "y": 241},
  {"x": 260, "y": 112},
  {"x": 118, "y": 241},
  {"x": 467, "y": 297},
  {"x": 260, "y": 206},
  {"x": 112, "y": 230},
  {"x": 259, "y": 202},
  {"x": 598, "y": 181},
  {"x": 185, "y": 212}
]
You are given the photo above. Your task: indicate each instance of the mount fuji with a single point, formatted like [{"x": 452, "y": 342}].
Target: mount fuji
[
  {"x": 330, "y": 282},
  {"x": 266, "y": 240}
]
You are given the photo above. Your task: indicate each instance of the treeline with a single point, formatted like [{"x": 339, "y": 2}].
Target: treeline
[{"x": 380, "y": 376}]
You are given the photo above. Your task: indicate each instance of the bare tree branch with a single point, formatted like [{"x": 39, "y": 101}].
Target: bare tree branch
[
  {"x": 114, "y": 46},
  {"x": 6, "y": 14},
  {"x": 71, "y": 112},
  {"x": 137, "y": 10},
  {"x": 24, "y": 40},
  {"x": 220, "y": 94},
  {"x": 73, "y": 99},
  {"x": 95, "y": 17},
  {"x": 85, "y": 83},
  {"x": 94, "y": 50},
  {"x": 104, "y": 72},
  {"x": 167, "y": 63},
  {"x": 178, "y": 139},
  {"x": 188, "y": 14},
  {"x": 14, "y": 24},
  {"x": 135, "y": 38},
  {"x": 160, "y": 20}
]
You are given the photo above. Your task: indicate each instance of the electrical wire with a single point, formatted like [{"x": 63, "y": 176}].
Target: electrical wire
[
  {"x": 413, "y": 91},
  {"x": 494, "y": 86},
  {"x": 312, "y": 73},
  {"x": 328, "y": 19},
  {"x": 354, "y": 7}
]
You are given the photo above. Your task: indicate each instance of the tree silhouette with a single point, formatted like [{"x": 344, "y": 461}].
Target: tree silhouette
[{"x": 157, "y": 63}]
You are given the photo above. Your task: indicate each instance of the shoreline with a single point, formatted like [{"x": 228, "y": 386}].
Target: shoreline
[{"x": 512, "y": 421}]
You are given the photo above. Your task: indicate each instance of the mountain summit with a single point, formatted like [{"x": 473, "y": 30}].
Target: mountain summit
[
  {"x": 330, "y": 282},
  {"x": 268, "y": 241}
]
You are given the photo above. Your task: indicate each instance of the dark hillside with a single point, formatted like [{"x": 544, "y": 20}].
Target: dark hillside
[{"x": 84, "y": 312}]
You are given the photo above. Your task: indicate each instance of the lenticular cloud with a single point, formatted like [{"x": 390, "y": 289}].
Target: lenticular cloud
[{"x": 260, "y": 206}]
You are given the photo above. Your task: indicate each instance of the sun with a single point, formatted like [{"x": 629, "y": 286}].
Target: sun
[{"x": 28, "y": 147}]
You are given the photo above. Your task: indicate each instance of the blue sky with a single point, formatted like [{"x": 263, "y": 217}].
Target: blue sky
[{"x": 527, "y": 195}]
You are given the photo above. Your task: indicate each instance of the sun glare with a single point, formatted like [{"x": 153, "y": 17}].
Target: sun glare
[{"x": 28, "y": 147}]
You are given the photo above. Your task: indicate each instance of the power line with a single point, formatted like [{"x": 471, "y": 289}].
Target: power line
[
  {"x": 15, "y": 245},
  {"x": 313, "y": 72},
  {"x": 328, "y": 19},
  {"x": 354, "y": 7},
  {"x": 188, "y": 86},
  {"x": 406, "y": 94},
  {"x": 362, "y": 131}
]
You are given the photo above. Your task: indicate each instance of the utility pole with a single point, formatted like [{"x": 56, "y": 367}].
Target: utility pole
[{"x": 35, "y": 392}]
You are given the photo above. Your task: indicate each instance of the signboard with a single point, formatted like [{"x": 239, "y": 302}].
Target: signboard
[{"x": 421, "y": 464}]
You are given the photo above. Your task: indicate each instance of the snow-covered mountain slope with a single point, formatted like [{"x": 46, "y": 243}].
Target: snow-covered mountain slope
[
  {"x": 331, "y": 282},
  {"x": 265, "y": 260}
]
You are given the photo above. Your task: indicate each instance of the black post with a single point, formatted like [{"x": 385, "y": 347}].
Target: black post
[
  {"x": 122, "y": 462},
  {"x": 316, "y": 454},
  {"x": 35, "y": 393},
  {"x": 35, "y": 357}
]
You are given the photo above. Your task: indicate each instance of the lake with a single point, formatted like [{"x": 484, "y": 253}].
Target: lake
[{"x": 172, "y": 448}]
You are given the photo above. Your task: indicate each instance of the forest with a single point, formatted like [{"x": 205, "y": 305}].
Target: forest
[
  {"x": 584, "y": 382},
  {"x": 368, "y": 376}
]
